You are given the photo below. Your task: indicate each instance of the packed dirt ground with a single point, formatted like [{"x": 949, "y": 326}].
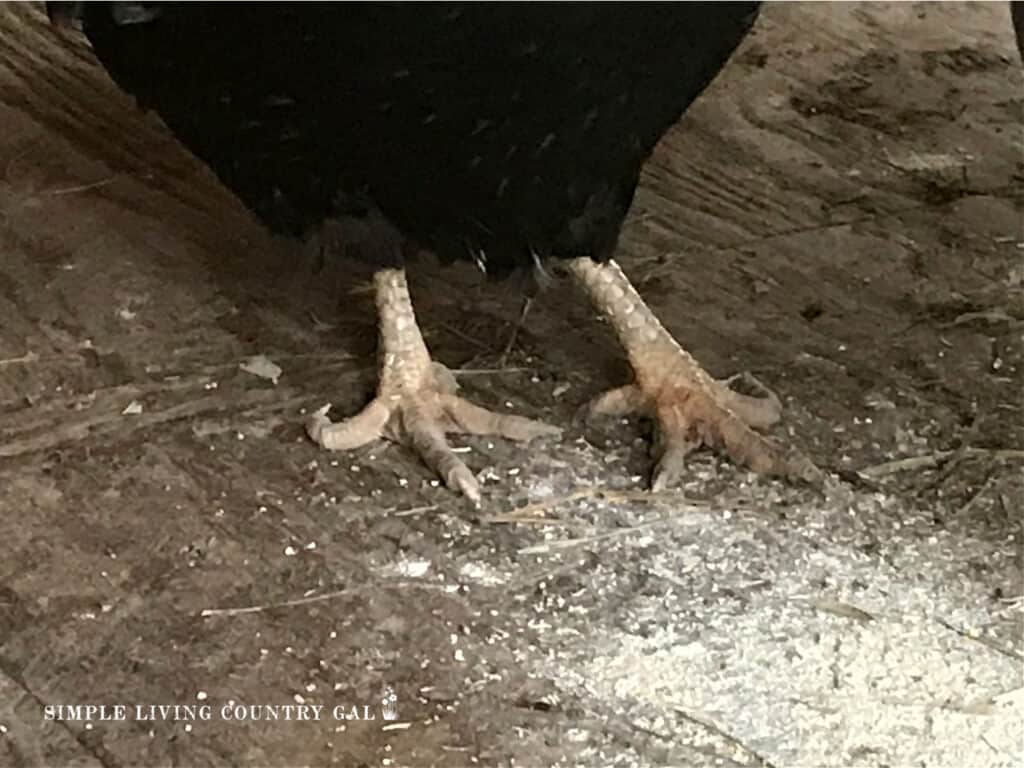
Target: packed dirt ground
[{"x": 841, "y": 214}]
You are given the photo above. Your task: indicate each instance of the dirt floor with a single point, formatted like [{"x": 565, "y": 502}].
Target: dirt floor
[{"x": 841, "y": 214}]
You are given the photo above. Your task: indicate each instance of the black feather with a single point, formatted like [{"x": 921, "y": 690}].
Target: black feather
[{"x": 484, "y": 130}]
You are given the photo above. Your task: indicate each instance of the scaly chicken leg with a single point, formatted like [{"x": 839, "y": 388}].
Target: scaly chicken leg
[
  {"x": 416, "y": 402},
  {"x": 689, "y": 407}
]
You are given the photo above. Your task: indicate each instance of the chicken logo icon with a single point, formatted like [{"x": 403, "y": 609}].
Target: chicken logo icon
[{"x": 389, "y": 704}]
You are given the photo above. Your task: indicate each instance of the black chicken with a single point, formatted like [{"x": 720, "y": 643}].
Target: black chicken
[{"x": 506, "y": 134}]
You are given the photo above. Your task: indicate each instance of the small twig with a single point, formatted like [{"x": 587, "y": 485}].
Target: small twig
[
  {"x": 320, "y": 325},
  {"x": 539, "y": 507},
  {"x": 991, "y": 644},
  {"x": 314, "y": 356},
  {"x": 286, "y": 604},
  {"x": 414, "y": 510},
  {"x": 932, "y": 460},
  {"x": 552, "y": 546},
  {"x": 694, "y": 720},
  {"x": 306, "y": 600},
  {"x": 975, "y": 496},
  {"x": 465, "y": 336},
  {"x": 929, "y": 461},
  {"x": 531, "y": 513},
  {"x": 527, "y": 303},
  {"x": 841, "y": 609},
  {"x": 488, "y": 371},
  {"x": 82, "y": 187},
  {"x": 990, "y": 745},
  {"x": 522, "y": 520},
  {"x": 28, "y": 357},
  {"x": 990, "y": 316}
]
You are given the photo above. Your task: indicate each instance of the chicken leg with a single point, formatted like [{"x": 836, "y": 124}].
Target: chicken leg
[
  {"x": 416, "y": 402},
  {"x": 689, "y": 407}
]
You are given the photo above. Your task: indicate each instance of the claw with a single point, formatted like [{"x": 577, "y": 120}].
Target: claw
[
  {"x": 691, "y": 408},
  {"x": 416, "y": 402},
  {"x": 354, "y": 432},
  {"x": 461, "y": 479},
  {"x": 758, "y": 412},
  {"x": 316, "y": 422},
  {"x": 671, "y": 464}
]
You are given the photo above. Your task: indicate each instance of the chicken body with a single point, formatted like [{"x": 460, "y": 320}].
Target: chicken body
[{"x": 504, "y": 134}]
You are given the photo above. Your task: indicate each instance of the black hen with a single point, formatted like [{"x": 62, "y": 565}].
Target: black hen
[{"x": 501, "y": 133}]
